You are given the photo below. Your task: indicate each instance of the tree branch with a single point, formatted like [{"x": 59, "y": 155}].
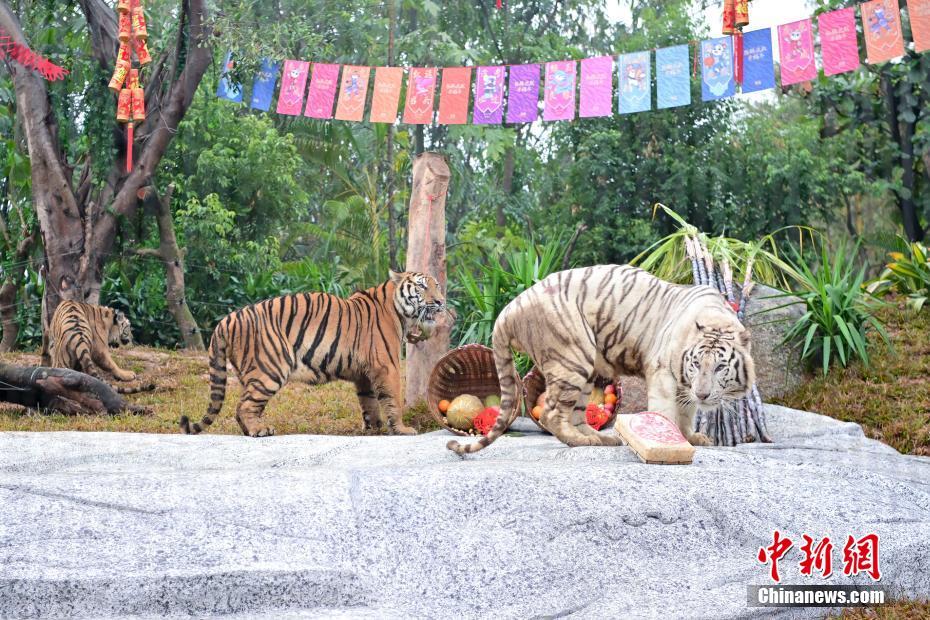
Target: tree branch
[{"x": 101, "y": 20}]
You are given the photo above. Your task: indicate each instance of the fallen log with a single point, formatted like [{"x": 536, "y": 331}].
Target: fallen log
[{"x": 61, "y": 390}]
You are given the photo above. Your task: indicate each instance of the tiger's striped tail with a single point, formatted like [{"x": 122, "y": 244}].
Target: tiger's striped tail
[
  {"x": 217, "y": 383},
  {"x": 510, "y": 397}
]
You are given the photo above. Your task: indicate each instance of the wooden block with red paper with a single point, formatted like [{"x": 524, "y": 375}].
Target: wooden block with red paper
[{"x": 654, "y": 438}]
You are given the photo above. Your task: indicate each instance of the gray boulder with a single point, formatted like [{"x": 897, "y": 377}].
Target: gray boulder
[
  {"x": 779, "y": 368},
  {"x": 121, "y": 524}
]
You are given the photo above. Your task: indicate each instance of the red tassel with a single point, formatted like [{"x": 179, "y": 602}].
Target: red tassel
[
  {"x": 500, "y": 4},
  {"x": 738, "y": 52},
  {"x": 129, "y": 141}
]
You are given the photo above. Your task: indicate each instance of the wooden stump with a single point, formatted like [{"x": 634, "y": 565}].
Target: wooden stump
[
  {"x": 59, "y": 389},
  {"x": 426, "y": 253}
]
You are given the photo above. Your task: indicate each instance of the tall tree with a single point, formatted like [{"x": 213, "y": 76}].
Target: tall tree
[{"x": 79, "y": 219}]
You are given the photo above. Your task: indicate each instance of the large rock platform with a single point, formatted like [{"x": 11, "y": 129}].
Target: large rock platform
[{"x": 114, "y": 525}]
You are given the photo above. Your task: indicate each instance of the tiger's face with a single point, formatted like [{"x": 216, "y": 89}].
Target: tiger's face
[
  {"x": 418, "y": 300},
  {"x": 718, "y": 368},
  {"x": 120, "y": 332}
]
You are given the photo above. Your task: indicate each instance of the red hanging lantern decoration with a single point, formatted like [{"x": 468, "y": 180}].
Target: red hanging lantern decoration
[
  {"x": 735, "y": 18},
  {"x": 133, "y": 36}
]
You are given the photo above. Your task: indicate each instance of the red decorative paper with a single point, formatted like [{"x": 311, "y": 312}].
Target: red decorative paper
[
  {"x": 453, "y": 95},
  {"x": 29, "y": 59},
  {"x": 421, "y": 87},
  {"x": 386, "y": 94}
]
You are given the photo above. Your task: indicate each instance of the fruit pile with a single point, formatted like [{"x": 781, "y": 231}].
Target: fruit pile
[
  {"x": 468, "y": 413},
  {"x": 601, "y": 405}
]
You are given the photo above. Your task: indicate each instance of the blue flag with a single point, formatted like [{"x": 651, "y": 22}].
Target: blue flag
[
  {"x": 717, "y": 69},
  {"x": 263, "y": 87},
  {"x": 227, "y": 89},
  {"x": 635, "y": 83},
  {"x": 673, "y": 77},
  {"x": 758, "y": 70}
]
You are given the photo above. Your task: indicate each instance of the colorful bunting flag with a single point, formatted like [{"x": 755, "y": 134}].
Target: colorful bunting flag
[
  {"x": 919, "y": 12},
  {"x": 758, "y": 70},
  {"x": 796, "y": 52},
  {"x": 881, "y": 24},
  {"x": 228, "y": 89},
  {"x": 635, "y": 82},
  {"x": 523, "y": 97},
  {"x": 489, "y": 95},
  {"x": 293, "y": 84},
  {"x": 838, "y": 44},
  {"x": 324, "y": 81},
  {"x": 352, "y": 94},
  {"x": 596, "y": 86},
  {"x": 453, "y": 95},
  {"x": 673, "y": 77},
  {"x": 717, "y": 69},
  {"x": 421, "y": 89},
  {"x": 559, "y": 104},
  {"x": 386, "y": 94},
  {"x": 263, "y": 86}
]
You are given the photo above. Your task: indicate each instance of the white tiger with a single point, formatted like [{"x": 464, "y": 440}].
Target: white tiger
[{"x": 613, "y": 320}]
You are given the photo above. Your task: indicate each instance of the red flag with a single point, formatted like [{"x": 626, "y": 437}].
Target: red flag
[
  {"x": 421, "y": 88},
  {"x": 453, "y": 95}
]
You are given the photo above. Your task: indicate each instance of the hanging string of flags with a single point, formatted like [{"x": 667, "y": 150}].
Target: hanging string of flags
[{"x": 559, "y": 81}]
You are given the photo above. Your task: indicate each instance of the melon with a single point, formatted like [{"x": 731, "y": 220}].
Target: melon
[
  {"x": 462, "y": 411},
  {"x": 597, "y": 396},
  {"x": 492, "y": 400}
]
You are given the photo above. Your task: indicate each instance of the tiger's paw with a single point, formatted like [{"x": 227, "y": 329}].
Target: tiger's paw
[
  {"x": 125, "y": 375},
  {"x": 262, "y": 431},
  {"x": 699, "y": 439},
  {"x": 404, "y": 430}
]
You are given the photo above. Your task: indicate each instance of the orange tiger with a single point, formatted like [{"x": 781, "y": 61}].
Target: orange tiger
[
  {"x": 79, "y": 338},
  {"x": 317, "y": 338}
]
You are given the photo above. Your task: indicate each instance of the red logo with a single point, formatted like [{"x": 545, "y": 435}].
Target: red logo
[{"x": 859, "y": 556}]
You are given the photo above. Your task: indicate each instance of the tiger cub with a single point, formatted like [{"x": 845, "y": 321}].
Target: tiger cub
[
  {"x": 80, "y": 336},
  {"x": 611, "y": 320},
  {"x": 317, "y": 338}
]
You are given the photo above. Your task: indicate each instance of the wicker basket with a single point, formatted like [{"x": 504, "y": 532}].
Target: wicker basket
[
  {"x": 468, "y": 369},
  {"x": 534, "y": 384}
]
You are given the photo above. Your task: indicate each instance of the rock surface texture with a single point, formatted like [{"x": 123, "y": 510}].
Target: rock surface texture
[
  {"x": 779, "y": 368},
  {"x": 112, "y": 525}
]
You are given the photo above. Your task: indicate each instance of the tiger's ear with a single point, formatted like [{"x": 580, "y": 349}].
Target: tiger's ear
[
  {"x": 745, "y": 337},
  {"x": 395, "y": 277}
]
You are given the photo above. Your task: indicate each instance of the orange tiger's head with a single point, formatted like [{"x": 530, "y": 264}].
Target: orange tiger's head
[
  {"x": 120, "y": 332},
  {"x": 419, "y": 300}
]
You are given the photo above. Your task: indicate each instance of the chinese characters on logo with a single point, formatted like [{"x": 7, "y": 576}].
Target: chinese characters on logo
[{"x": 859, "y": 556}]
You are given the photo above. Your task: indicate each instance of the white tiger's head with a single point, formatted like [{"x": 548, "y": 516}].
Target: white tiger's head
[
  {"x": 418, "y": 299},
  {"x": 717, "y": 367},
  {"x": 120, "y": 332}
]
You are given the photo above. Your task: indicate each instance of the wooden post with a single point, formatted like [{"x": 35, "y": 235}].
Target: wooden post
[{"x": 426, "y": 253}]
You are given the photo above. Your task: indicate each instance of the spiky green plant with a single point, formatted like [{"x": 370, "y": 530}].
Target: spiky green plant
[
  {"x": 908, "y": 274},
  {"x": 666, "y": 258}
]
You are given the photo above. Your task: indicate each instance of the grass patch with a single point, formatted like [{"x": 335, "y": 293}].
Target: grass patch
[
  {"x": 183, "y": 389},
  {"x": 891, "y": 400},
  {"x": 895, "y": 610}
]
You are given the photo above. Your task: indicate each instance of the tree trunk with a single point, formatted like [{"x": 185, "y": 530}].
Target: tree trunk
[
  {"x": 61, "y": 390},
  {"x": 506, "y": 191},
  {"x": 426, "y": 253},
  {"x": 389, "y": 156},
  {"x": 8, "y": 295},
  {"x": 902, "y": 133},
  {"x": 172, "y": 257},
  {"x": 77, "y": 237}
]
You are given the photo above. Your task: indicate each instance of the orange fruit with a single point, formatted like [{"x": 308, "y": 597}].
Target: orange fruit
[
  {"x": 610, "y": 399},
  {"x": 537, "y": 412},
  {"x": 443, "y": 406}
]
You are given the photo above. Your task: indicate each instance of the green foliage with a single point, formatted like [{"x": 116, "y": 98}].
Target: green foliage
[
  {"x": 907, "y": 274},
  {"x": 839, "y": 310},
  {"x": 666, "y": 258}
]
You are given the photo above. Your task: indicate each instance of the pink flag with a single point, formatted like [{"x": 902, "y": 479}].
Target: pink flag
[
  {"x": 351, "y": 104},
  {"x": 796, "y": 52},
  {"x": 596, "y": 86},
  {"x": 881, "y": 24},
  {"x": 323, "y": 84},
  {"x": 293, "y": 82},
  {"x": 559, "y": 103},
  {"x": 453, "y": 95},
  {"x": 386, "y": 94},
  {"x": 838, "y": 44},
  {"x": 919, "y": 12},
  {"x": 421, "y": 87}
]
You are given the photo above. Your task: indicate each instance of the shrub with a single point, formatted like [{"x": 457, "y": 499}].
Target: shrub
[
  {"x": 840, "y": 312},
  {"x": 907, "y": 274}
]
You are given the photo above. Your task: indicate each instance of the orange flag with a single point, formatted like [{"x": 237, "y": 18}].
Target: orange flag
[
  {"x": 386, "y": 94},
  {"x": 919, "y": 11},
  {"x": 453, "y": 96},
  {"x": 881, "y": 23},
  {"x": 352, "y": 94},
  {"x": 421, "y": 88}
]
